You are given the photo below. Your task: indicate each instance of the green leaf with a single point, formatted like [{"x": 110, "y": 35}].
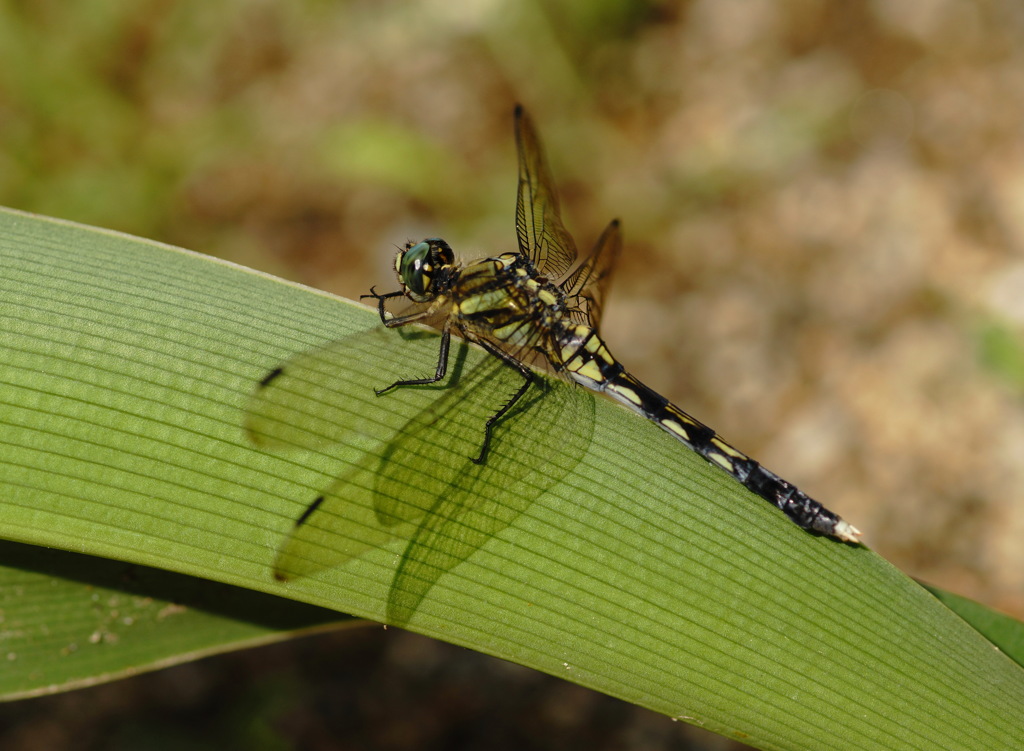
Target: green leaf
[
  {"x": 71, "y": 620},
  {"x": 126, "y": 368},
  {"x": 1004, "y": 632}
]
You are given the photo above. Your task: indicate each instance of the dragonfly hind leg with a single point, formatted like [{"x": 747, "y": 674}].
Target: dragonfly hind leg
[{"x": 528, "y": 378}]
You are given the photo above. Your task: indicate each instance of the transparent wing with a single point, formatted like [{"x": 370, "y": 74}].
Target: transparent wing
[
  {"x": 587, "y": 286},
  {"x": 423, "y": 486},
  {"x": 309, "y": 402},
  {"x": 542, "y": 237},
  {"x": 306, "y": 402},
  {"x": 325, "y": 396}
]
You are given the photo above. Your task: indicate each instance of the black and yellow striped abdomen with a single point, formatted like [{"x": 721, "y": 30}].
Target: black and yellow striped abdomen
[{"x": 586, "y": 359}]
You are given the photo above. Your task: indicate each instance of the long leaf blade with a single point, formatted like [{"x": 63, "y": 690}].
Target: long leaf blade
[{"x": 644, "y": 573}]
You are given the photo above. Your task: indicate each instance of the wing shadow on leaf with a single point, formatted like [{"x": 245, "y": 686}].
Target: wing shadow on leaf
[{"x": 416, "y": 479}]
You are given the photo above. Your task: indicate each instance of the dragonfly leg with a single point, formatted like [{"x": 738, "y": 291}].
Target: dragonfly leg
[
  {"x": 442, "y": 363},
  {"x": 528, "y": 377},
  {"x": 380, "y": 301}
]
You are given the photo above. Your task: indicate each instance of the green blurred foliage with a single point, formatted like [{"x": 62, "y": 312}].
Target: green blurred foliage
[{"x": 1002, "y": 350}]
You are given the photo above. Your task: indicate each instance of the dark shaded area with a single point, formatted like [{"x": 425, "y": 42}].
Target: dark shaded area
[
  {"x": 237, "y": 603},
  {"x": 364, "y": 689}
]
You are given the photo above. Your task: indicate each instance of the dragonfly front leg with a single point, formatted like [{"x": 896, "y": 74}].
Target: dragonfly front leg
[
  {"x": 380, "y": 304},
  {"x": 442, "y": 365}
]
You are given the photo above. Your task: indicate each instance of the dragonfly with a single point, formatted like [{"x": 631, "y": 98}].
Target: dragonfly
[
  {"x": 545, "y": 301},
  {"x": 539, "y": 306}
]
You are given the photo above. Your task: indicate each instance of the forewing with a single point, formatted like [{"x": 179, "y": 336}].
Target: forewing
[
  {"x": 587, "y": 286},
  {"x": 326, "y": 396},
  {"x": 388, "y": 491},
  {"x": 542, "y": 236},
  {"x": 306, "y": 401}
]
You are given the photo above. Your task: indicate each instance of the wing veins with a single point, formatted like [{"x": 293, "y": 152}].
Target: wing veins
[{"x": 542, "y": 236}]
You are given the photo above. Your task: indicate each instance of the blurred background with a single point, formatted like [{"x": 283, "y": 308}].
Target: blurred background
[{"x": 823, "y": 207}]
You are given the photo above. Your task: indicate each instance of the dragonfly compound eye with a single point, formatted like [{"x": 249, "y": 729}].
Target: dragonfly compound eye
[{"x": 415, "y": 270}]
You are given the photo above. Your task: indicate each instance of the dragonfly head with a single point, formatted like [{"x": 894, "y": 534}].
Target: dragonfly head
[{"x": 418, "y": 266}]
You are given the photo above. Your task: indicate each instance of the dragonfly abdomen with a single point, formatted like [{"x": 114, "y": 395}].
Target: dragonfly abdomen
[{"x": 587, "y": 360}]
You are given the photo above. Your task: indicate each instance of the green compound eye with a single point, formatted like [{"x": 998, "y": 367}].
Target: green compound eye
[{"x": 415, "y": 271}]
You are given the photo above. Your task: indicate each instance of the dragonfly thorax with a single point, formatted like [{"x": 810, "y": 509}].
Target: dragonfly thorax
[{"x": 422, "y": 266}]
